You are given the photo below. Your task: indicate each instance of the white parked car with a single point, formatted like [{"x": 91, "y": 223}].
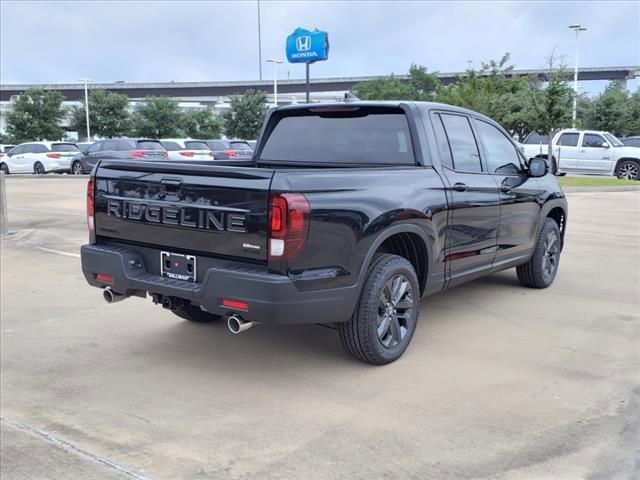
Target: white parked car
[
  {"x": 587, "y": 152},
  {"x": 186, "y": 149},
  {"x": 39, "y": 157}
]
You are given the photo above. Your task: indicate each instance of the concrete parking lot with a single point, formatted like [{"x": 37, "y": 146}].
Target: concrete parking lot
[{"x": 500, "y": 382}]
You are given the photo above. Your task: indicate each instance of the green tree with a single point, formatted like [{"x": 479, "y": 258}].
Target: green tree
[
  {"x": 36, "y": 115},
  {"x": 244, "y": 119},
  {"x": 634, "y": 109},
  {"x": 553, "y": 104},
  {"x": 419, "y": 86},
  {"x": 202, "y": 124},
  {"x": 495, "y": 92},
  {"x": 157, "y": 117},
  {"x": 611, "y": 111},
  {"x": 108, "y": 115}
]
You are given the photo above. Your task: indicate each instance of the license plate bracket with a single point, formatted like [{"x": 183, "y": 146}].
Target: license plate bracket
[{"x": 178, "y": 266}]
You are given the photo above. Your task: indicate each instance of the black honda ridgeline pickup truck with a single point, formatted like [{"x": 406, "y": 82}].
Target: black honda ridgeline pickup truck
[{"x": 347, "y": 215}]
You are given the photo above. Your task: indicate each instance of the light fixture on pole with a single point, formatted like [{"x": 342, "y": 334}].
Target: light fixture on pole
[
  {"x": 576, "y": 28},
  {"x": 275, "y": 78},
  {"x": 86, "y": 105}
]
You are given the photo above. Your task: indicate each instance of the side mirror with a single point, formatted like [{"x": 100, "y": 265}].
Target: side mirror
[
  {"x": 605, "y": 145},
  {"x": 538, "y": 167}
]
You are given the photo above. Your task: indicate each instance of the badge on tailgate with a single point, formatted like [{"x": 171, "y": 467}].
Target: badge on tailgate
[{"x": 178, "y": 266}]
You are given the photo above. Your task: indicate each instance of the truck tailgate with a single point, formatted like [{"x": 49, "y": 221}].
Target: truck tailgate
[{"x": 206, "y": 209}]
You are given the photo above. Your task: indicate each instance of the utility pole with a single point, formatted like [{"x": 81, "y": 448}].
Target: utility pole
[
  {"x": 259, "y": 44},
  {"x": 576, "y": 28},
  {"x": 86, "y": 105},
  {"x": 275, "y": 79}
]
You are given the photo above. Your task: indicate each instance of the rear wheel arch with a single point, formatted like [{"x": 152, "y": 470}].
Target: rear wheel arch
[{"x": 407, "y": 241}]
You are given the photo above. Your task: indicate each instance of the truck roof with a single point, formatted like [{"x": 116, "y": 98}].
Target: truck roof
[{"x": 385, "y": 103}]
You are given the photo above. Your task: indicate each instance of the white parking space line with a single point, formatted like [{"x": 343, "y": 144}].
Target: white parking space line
[
  {"x": 59, "y": 252},
  {"x": 73, "y": 448}
]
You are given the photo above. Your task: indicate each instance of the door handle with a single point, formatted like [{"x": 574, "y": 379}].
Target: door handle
[{"x": 460, "y": 187}]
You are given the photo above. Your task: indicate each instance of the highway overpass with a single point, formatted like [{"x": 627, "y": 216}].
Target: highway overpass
[{"x": 206, "y": 91}]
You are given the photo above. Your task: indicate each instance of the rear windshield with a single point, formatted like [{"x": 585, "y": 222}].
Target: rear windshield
[
  {"x": 149, "y": 145},
  {"x": 171, "y": 146},
  {"x": 354, "y": 136},
  {"x": 64, "y": 147},
  {"x": 240, "y": 146},
  {"x": 196, "y": 145}
]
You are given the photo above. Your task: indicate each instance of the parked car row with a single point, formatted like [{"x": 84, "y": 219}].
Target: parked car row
[
  {"x": 80, "y": 158},
  {"x": 588, "y": 152}
]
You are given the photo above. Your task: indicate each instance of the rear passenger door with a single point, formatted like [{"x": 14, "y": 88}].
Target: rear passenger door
[
  {"x": 473, "y": 198},
  {"x": 519, "y": 209},
  {"x": 566, "y": 151}
]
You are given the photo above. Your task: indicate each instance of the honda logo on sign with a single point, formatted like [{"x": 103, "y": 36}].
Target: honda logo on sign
[
  {"x": 307, "y": 46},
  {"x": 303, "y": 44}
]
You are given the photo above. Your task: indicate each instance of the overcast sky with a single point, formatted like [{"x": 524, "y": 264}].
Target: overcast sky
[{"x": 60, "y": 42}]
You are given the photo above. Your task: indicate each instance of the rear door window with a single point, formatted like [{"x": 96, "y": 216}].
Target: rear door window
[
  {"x": 64, "y": 147},
  {"x": 462, "y": 142},
  {"x": 355, "y": 136},
  {"x": 38, "y": 148},
  {"x": 569, "y": 139}
]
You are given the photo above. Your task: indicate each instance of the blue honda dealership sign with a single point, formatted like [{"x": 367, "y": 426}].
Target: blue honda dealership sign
[{"x": 305, "y": 46}]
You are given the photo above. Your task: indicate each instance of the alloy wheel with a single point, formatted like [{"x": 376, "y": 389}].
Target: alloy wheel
[
  {"x": 77, "y": 168},
  {"x": 395, "y": 311},
  {"x": 628, "y": 171},
  {"x": 551, "y": 254}
]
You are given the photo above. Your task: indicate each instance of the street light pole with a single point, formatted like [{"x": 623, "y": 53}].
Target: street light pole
[
  {"x": 275, "y": 79},
  {"x": 576, "y": 28},
  {"x": 259, "y": 44},
  {"x": 86, "y": 105}
]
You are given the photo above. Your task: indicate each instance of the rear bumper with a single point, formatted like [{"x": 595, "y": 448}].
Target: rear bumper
[{"x": 271, "y": 298}]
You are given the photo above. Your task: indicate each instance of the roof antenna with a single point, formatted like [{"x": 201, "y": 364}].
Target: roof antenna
[{"x": 350, "y": 97}]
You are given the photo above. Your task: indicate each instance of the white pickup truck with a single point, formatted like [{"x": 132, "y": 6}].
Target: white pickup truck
[{"x": 587, "y": 152}]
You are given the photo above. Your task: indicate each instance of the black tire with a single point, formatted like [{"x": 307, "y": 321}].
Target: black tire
[
  {"x": 628, "y": 170},
  {"x": 38, "y": 168},
  {"x": 194, "y": 313},
  {"x": 4, "y": 168},
  {"x": 540, "y": 271},
  {"x": 381, "y": 328},
  {"x": 76, "y": 168}
]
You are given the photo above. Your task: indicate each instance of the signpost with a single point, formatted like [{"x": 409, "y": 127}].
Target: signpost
[{"x": 306, "y": 46}]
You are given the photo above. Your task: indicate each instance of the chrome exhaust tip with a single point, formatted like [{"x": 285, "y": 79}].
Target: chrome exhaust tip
[
  {"x": 111, "y": 297},
  {"x": 237, "y": 324}
]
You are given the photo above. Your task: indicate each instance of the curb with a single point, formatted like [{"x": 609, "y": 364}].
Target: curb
[{"x": 601, "y": 189}]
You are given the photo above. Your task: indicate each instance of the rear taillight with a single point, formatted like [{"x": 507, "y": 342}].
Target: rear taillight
[
  {"x": 165, "y": 154},
  {"x": 53, "y": 155},
  {"x": 288, "y": 225},
  {"x": 138, "y": 154},
  {"x": 230, "y": 154},
  {"x": 186, "y": 154},
  {"x": 91, "y": 185}
]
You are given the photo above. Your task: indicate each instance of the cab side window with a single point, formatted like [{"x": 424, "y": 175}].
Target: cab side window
[
  {"x": 16, "y": 151},
  {"x": 443, "y": 143},
  {"x": 462, "y": 143},
  {"x": 94, "y": 148},
  {"x": 569, "y": 139},
  {"x": 502, "y": 156},
  {"x": 592, "y": 140}
]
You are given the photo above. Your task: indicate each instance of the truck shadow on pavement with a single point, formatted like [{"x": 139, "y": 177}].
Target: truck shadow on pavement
[{"x": 278, "y": 348}]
